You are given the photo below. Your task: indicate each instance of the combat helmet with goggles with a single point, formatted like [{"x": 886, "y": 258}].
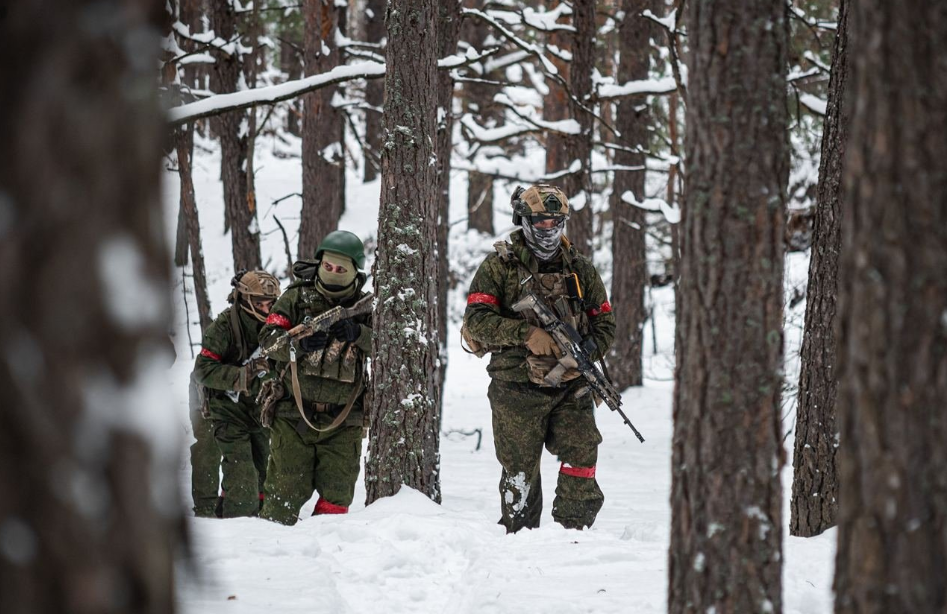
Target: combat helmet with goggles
[
  {"x": 252, "y": 287},
  {"x": 541, "y": 212}
]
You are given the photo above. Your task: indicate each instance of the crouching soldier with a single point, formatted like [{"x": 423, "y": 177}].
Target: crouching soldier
[
  {"x": 316, "y": 430},
  {"x": 528, "y": 413},
  {"x": 231, "y": 370}
]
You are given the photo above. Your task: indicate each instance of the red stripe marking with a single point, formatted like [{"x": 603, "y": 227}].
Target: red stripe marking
[
  {"x": 324, "y": 507},
  {"x": 577, "y": 472},
  {"x": 277, "y": 319},
  {"x": 605, "y": 307},
  {"x": 208, "y": 354},
  {"x": 480, "y": 297}
]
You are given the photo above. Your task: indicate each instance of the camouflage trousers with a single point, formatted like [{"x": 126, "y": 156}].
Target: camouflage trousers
[
  {"x": 245, "y": 448},
  {"x": 525, "y": 419},
  {"x": 300, "y": 463},
  {"x": 205, "y": 466}
]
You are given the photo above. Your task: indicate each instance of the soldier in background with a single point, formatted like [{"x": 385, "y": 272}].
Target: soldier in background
[
  {"x": 231, "y": 371},
  {"x": 316, "y": 434},
  {"x": 527, "y": 412}
]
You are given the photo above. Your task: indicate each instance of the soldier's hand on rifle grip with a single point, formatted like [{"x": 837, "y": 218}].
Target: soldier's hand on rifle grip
[
  {"x": 314, "y": 342},
  {"x": 541, "y": 343},
  {"x": 345, "y": 330}
]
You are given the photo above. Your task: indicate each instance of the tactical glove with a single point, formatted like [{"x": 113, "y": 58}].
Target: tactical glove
[
  {"x": 314, "y": 342},
  {"x": 256, "y": 368},
  {"x": 345, "y": 330},
  {"x": 541, "y": 343}
]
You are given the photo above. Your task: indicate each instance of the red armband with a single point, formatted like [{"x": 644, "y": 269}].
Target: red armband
[
  {"x": 605, "y": 307},
  {"x": 577, "y": 472},
  {"x": 477, "y": 298},
  {"x": 208, "y": 354},
  {"x": 278, "y": 320}
]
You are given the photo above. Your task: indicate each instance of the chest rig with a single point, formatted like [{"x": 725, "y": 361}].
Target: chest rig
[{"x": 339, "y": 360}]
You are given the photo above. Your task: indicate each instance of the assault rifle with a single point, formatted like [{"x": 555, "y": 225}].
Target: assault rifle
[
  {"x": 575, "y": 355},
  {"x": 321, "y": 323}
]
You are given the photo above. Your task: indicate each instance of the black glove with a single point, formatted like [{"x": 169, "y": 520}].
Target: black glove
[
  {"x": 314, "y": 342},
  {"x": 345, "y": 330}
]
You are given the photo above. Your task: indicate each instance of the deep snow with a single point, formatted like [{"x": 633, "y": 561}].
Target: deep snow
[{"x": 406, "y": 554}]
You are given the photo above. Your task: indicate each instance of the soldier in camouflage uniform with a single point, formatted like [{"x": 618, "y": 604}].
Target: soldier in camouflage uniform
[
  {"x": 527, "y": 412},
  {"x": 205, "y": 459},
  {"x": 231, "y": 370},
  {"x": 330, "y": 372}
]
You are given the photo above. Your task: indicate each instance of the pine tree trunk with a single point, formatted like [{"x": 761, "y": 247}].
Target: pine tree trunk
[
  {"x": 240, "y": 212},
  {"x": 578, "y": 185},
  {"x": 892, "y": 539},
  {"x": 323, "y": 130},
  {"x": 556, "y": 107},
  {"x": 478, "y": 100},
  {"x": 183, "y": 142},
  {"x": 815, "y": 481},
  {"x": 630, "y": 271},
  {"x": 404, "y": 416},
  {"x": 374, "y": 92},
  {"x": 84, "y": 312},
  {"x": 726, "y": 527}
]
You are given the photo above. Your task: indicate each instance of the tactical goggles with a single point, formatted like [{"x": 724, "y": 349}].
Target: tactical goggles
[{"x": 543, "y": 221}]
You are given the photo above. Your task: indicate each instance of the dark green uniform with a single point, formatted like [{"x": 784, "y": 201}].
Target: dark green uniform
[
  {"x": 528, "y": 415},
  {"x": 303, "y": 460},
  {"x": 235, "y": 419},
  {"x": 205, "y": 458}
]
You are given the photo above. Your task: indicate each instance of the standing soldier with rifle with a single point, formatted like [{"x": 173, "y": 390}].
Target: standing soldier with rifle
[
  {"x": 231, "y": 370},
  {"x": 319, "y": 333},
  {"x": 536, "y": 401}
]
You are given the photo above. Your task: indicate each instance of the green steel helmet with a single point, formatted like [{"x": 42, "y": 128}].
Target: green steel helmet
[
  {"x": 345, "y": 243},
  {"x": 540, "y": 200}
]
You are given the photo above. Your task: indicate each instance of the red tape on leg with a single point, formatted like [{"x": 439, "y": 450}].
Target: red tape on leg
[
  {"x": 577, "y": 472},
  {"x": 324, "y": 507}
]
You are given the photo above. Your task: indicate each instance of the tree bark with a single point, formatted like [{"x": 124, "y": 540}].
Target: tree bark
[
  {"x": 183, "y": 142},
  {"x": 892, "y": 538},
  {"x": 630, "y": 271},
  {"x": 404, "y": 417},
  {"x": 323, "y": 132},
  {"x": 374, "y": 92},
  {"x": 83, "y": 315},
  {"x": 448, "y": 32},
  {"x": 240, "y": 209},
  {"x": 579, "y": 147},
  {"x": 726, "y": 526},
  {"x": 556, "y": 107},
  {"x": 478, "y": 100},
  {"x": 815, "y": 480}
]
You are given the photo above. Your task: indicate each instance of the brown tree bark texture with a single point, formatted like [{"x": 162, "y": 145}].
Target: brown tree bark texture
[
  {"x": 323, "y": 129},
  {"x": 244, "y": 236},
  {"x": 892, "y": 399},
  {"x": 726, "y": 527},
  {"x": 81, "y": 231},
  {"x": 183, "y": 142},
  {"x": 815, "y": 479},
  {"x": 448, "y": 32},
  {"x": 404, "y": 419},
  {"x": 374, "y": 92},
  {"x": 630, "y": 268}
]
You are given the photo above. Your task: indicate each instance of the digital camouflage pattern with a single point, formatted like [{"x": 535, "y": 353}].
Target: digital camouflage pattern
[
  {"x": 527, "y": 416},
  {"x": 302, "y": 460},
  {"x": 234, "y": 417},
  {"x": 205, "y": 459}
]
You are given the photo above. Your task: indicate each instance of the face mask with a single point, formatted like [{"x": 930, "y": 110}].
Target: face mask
[
  {"x": 336, "y": 285},
  {"x": 543, "y": 242}
]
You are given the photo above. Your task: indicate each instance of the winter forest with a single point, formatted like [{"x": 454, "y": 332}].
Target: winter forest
[{"x": 301, "y": 298}]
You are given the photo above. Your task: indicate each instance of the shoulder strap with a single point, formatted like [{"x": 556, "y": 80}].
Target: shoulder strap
[
  {"x": 297, "y": 396},
  {"x": 238, "y": 331}
]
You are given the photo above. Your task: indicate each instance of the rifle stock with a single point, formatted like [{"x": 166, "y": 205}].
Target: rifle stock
[{"x": 574, "y": 355}]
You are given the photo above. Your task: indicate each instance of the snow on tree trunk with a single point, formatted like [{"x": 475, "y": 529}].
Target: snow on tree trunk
[
  {"x": 323, "y": 129},
  {"x": 90, "y": 519},
  {"x": 404, "y": 416},
  {"x": 726, "y": 526},
  {"x": 815, "y": 480},
  {"x": 231, "y": 128},
  {"x": 630, "y": 273},
  {"x": 374, "y": 92},
  {"x": 892, "y": 414}
]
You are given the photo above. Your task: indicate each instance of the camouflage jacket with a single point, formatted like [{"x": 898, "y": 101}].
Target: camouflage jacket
[
  {"x": 219, "y": 365},
  {"x": 496, "y": 287},
  {"x": 323, "y": 378}
]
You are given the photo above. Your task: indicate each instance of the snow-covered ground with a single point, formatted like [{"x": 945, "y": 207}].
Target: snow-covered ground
[{"x": 407, "y": 554}]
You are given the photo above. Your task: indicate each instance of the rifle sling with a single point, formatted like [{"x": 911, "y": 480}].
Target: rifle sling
[{"x": 297, "y": 396}]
